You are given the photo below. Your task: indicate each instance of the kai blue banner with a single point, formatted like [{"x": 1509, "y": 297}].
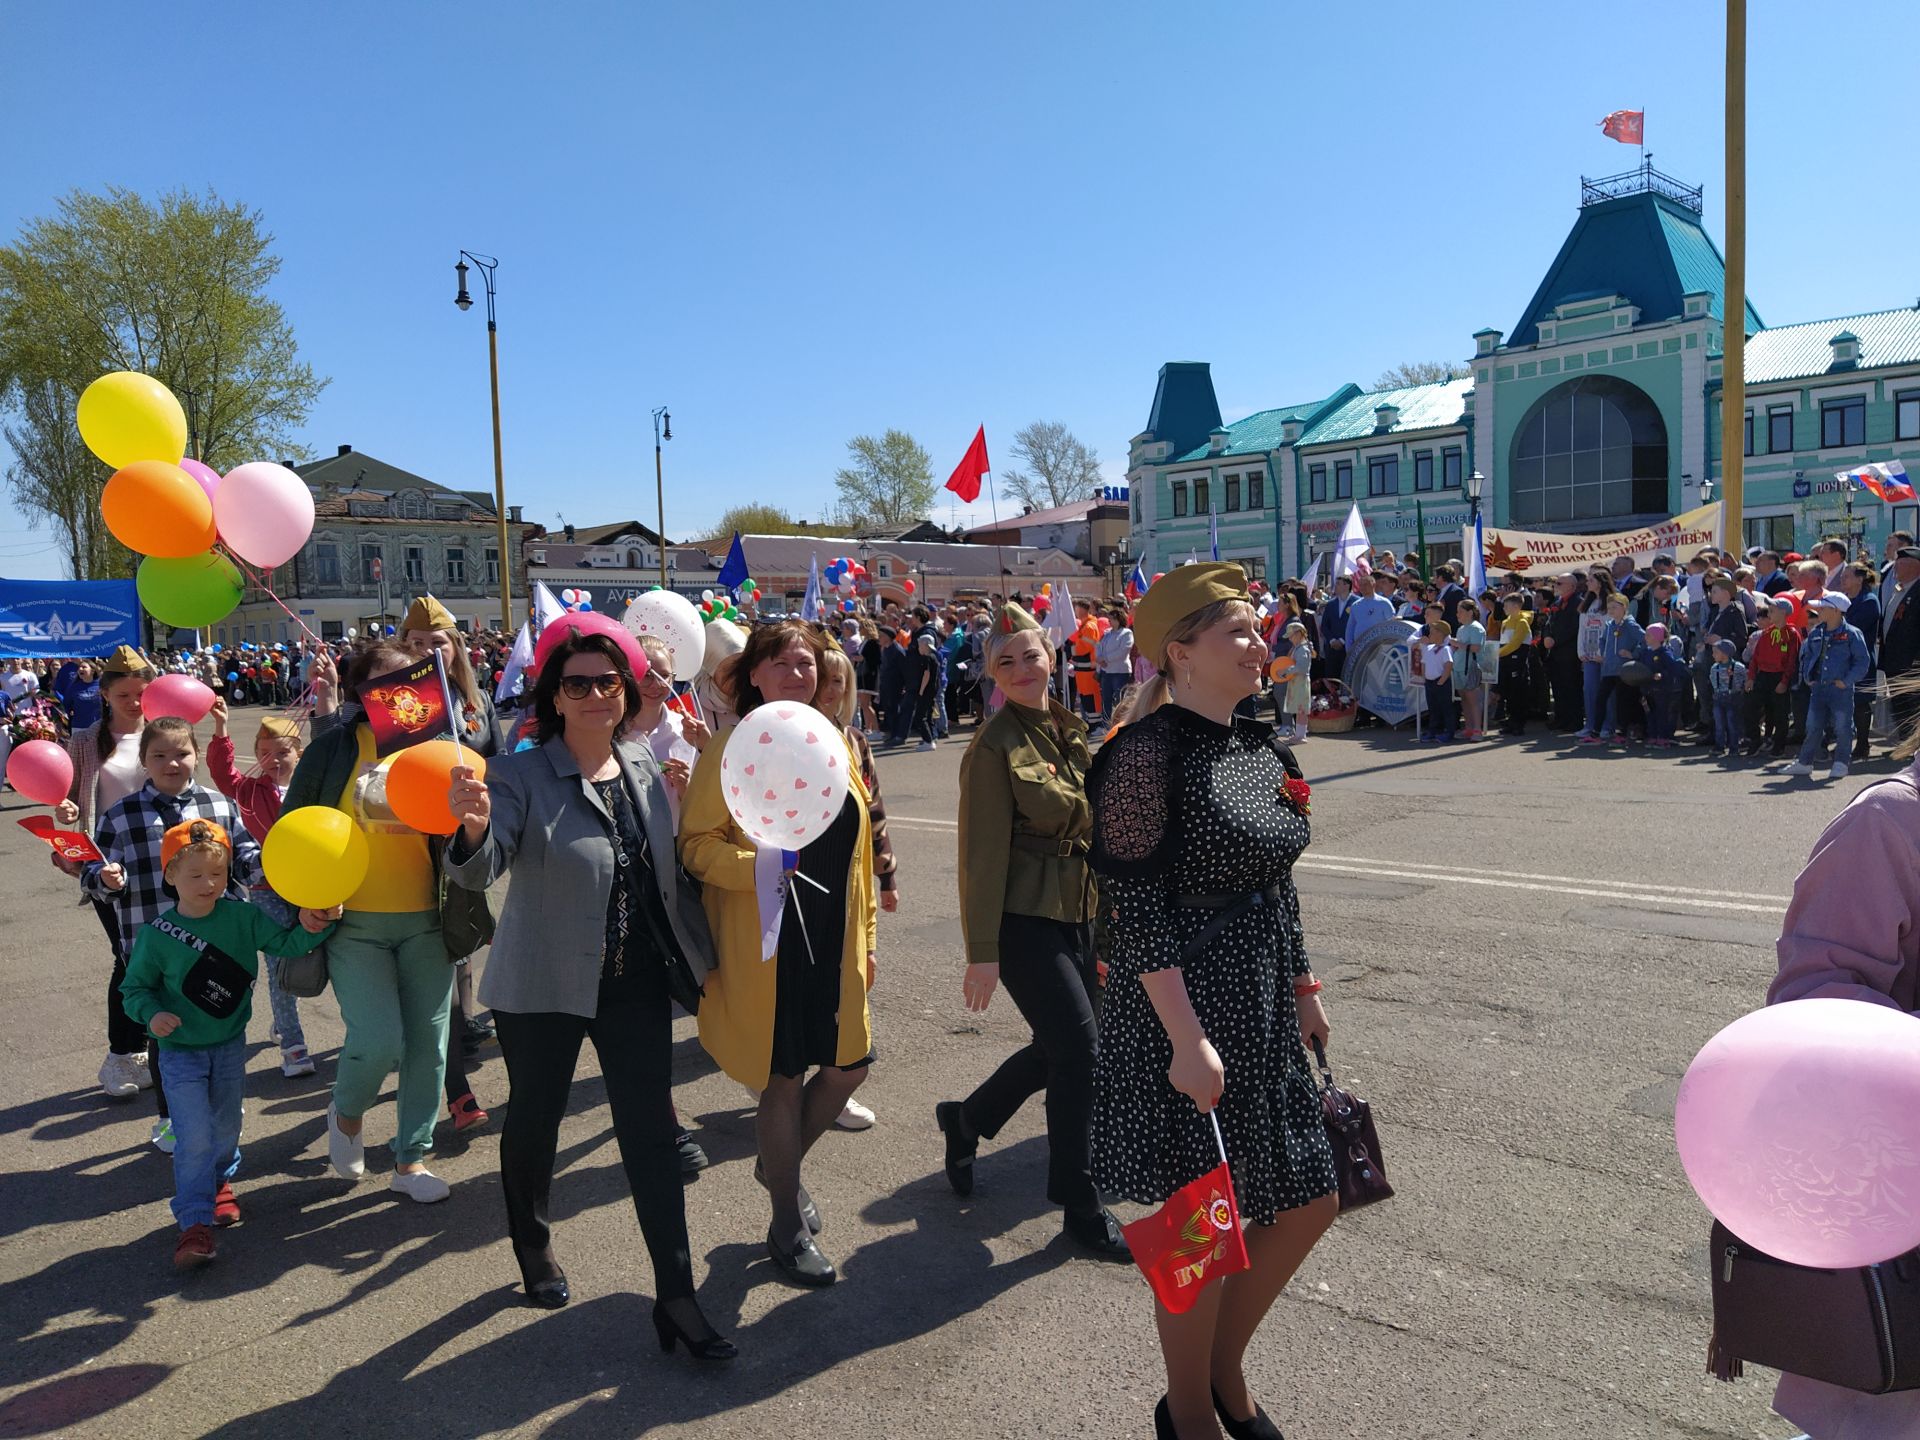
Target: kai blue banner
[{"x": 63, "y": 619}]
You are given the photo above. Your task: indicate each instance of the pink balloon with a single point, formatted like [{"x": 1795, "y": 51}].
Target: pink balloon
[
  {"x": 1799, "y": 1129},
  {"x": 208, "y": 477},
  {"x": 41, "y": 771},
  {"x": 177, "y": 695},
  {"x": 264, "y": 512},
  {"x": 588, "y": 622}
]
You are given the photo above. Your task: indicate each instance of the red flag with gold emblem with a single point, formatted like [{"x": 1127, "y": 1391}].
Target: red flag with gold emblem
[
  {"x": 407, "y": 706},
  {"x": 1193, "y": 1239},
  {"x": 1629, "y": 127}
]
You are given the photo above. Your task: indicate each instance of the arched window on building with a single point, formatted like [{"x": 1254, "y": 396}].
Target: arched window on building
[{"x": 1593, "y": 449}]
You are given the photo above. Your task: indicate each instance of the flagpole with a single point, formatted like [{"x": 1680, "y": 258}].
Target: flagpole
[{"x": 1733, "y": 348}]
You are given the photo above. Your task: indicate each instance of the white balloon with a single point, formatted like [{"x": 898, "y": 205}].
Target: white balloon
[
  {"x": 672, "y": 619},
  {"x": 583, "y": 595},
  {"x": 706, "y": 595},
  {"x": 784, "y": 774}
]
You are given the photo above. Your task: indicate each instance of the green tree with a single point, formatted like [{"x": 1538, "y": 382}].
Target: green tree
[
  {"x": 757, "y": 519},
  {"x": 175, "y": 288},
  {"x": 1060, "y": 469},
  {"x": 1409, "y": 373},
  {"x": 888, "y": 481}
]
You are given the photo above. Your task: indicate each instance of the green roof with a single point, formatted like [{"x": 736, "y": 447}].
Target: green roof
[
  {"x": 1792, "y": 352},
  {"x": 1261, "y": 431},
  {"x": 1648, "y": 248},
  {"x": 1422, "y": 407}
]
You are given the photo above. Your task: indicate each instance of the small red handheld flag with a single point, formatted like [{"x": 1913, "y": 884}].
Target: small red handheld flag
[
  {"x": 1629, "y": 127},
  {"x": 965, "y": 480},
  {"x": 68, "y": 843},
  {"x": 1192, "y": 1239}
]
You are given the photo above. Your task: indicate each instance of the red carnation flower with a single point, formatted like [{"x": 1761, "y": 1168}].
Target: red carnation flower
[{"x": 1299, "y": 794}]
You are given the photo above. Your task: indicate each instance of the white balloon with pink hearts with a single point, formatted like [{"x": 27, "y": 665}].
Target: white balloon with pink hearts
[{"x": 784, "y": 774}]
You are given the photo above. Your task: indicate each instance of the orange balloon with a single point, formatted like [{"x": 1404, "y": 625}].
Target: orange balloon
[
  {"x": 156, "y": 508},
  {"x": 418, "y": 781}
]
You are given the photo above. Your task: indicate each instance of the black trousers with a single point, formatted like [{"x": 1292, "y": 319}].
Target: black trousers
[
  {"x": 1905, "y": 707},
  {"x": 1513, "y": 693},
  {"x": 125, "y": 1035},
  {"x": 1047, "y": 970},
  {"x": 633, "y": 1036},
  {"x": 1569, "y": 696}
]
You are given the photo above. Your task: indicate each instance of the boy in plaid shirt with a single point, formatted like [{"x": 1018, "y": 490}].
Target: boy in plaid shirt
[{"x": 129, "y": 835}]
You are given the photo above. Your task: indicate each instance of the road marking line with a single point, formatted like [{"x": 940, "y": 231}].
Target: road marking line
[
  {"x": 1448, "y": 870},
  {"x": 1499, "y": 879},
  {"x": 1375, "y": 873}
]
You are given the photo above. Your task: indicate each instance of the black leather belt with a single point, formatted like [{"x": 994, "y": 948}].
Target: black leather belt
[{"x": 1268, "y": 896}]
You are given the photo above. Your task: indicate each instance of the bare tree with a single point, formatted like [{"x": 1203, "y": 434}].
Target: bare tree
[
  {"x": 889, "y": 481},
  {"x": 1409, "y": 373},
  {"x": 1059, "y": 468}
]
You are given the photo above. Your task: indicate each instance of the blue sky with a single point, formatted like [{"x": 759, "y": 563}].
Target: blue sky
[{"x": 793, "y": 224}]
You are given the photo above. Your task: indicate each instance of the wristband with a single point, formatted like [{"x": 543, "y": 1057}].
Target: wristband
[{"x": 1310, "y": 987}]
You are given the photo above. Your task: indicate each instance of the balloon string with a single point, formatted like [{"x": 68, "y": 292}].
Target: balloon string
[{"x": 246, "y": 570}]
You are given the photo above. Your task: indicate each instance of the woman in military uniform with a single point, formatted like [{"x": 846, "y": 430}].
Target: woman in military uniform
[{"x": 1026, "y": 901}]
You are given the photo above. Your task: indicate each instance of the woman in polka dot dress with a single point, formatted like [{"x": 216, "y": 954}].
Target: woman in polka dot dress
[{"x": 1191, "y": 824}]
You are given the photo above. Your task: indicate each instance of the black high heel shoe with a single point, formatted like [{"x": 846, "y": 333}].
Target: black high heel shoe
[
  {"x": 545, "y": 1282},
  {"x": 1163, "y": 1422},
  {"x": 1260, "y": 1427},
  {"x": 715, "y": 1347}
]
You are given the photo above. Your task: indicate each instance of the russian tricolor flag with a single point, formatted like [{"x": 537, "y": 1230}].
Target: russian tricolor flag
[
  {"x": 1136, "y": 582},
  {"x": 1888, "y": 481}
]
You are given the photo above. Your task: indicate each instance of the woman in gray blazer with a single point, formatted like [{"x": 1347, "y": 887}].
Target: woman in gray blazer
[{"x": 596, "y": 939}]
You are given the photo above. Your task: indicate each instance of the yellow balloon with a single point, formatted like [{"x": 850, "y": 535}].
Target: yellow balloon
[
  {"x": 126, "y": 416},
  {"x": 315, "y": 857}
]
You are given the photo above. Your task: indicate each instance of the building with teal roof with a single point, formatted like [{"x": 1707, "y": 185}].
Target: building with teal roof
[{"x": 1599, "y": 411}]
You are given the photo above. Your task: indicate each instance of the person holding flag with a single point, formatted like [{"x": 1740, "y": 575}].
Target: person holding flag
[{"x": 1203, "y": 1096}]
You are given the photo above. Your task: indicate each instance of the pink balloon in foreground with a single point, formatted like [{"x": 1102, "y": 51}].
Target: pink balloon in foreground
[
  {"x": 587, "y": 623},
  {"x": 177, "y": 695},
  {"x": 41, "y": 771},
  {"x": 206, "y": 475},
  {"x": 1799, "y": 1128},
  {"x": 264, "y": 512}
]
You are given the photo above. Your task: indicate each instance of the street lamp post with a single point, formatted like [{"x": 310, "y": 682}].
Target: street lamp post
[
  {"x": 662, "y": 430},
  {"x": 487, "y": 264},
  {"x": 1476, "y": 487}
]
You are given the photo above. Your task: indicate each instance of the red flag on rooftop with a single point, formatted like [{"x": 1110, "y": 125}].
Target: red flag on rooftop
[
  {"x": 965, "y": 480},
  {"x": 1629, "y": 127}
]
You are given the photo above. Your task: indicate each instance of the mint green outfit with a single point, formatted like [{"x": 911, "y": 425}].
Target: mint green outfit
[{"x": 390, "y": 974}]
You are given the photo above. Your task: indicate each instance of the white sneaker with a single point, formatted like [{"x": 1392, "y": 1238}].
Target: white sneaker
[
  {"x": 162, "y": 1135},
  {"x": 124, "y": 1076},
  {"x": 294, "y": 1060},
  {"x": 854, "y": 1116},
  {"x": 345, "y": 1151},
  {"x": 1839, "y": 771},
  {"x": 1796, "y": 768},
  {"x": 420, "y": 1185},
  {"x": 925, "y": 745}
]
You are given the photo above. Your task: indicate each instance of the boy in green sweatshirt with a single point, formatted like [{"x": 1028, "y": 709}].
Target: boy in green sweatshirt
[{"x": 190, "y": 982}]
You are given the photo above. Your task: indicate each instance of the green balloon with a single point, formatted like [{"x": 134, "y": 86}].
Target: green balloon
[{"x": 188, "y": 593}]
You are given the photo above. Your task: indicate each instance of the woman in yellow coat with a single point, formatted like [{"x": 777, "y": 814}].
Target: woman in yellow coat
[{"x": 795, "y": 951}]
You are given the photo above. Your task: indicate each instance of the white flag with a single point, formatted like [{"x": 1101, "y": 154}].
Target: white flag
[
  {"x": 1350, "y": 551},
  {"x": 1312, "y": 577},
  {"x": 518, "y": 659}
]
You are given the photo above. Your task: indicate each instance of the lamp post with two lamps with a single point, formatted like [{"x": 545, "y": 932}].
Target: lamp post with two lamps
[{"x": 487, "y": 264}]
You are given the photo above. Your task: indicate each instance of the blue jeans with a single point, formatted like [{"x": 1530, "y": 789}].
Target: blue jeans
[
  {"x": 1590, "y": 696},
  {"x": 286, "y": 1008},
  {"x": 1112, "y": 685},
  {"x": 1726, "y": 719},
  {"x": 203, "y": 1092},
  {"x": 1828, "y": 706}
]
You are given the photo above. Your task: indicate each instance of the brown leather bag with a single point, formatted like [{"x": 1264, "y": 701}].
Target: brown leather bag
[
  {"x": 1858, "y": 1329},
  {"x": 1357, "y": 1162}
]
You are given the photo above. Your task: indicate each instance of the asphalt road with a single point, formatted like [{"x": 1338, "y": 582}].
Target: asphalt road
[{"x": 1523, "y": 946}]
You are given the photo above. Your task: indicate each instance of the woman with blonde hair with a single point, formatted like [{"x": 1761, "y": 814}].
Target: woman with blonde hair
[
  {"x": 785, "y": 1013},
  {"x": 1197, "y": 821}
]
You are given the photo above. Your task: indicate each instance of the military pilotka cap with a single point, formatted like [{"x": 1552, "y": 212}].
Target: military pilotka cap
[
  {"x": 1178, "y": 594},
  {"x": 128, "y": 661},
  {"x": 1010, "y": 619},
  {"x": 427, "y": 613}
]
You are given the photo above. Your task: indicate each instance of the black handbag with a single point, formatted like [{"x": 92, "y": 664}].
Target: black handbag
[
  {"x": 1357, "y": 1163},
  {"x": 1858, "y": 1328}
]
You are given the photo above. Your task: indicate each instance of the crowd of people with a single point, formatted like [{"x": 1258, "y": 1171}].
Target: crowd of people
[{"x": 1134, "y": 900}]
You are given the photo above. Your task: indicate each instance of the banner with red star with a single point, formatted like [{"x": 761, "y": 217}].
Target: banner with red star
[{"x": 1530, "y": 553}]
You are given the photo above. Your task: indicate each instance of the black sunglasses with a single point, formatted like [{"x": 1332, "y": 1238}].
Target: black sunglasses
[{"x": 575, "y": 687}]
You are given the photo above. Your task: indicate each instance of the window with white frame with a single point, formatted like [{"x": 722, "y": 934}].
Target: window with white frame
[
  {"x": 456, "y": 565},
  {"x": 415, "y": 559}
]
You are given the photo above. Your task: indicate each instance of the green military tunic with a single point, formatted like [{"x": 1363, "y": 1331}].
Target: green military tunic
[{"x": 1024, "y": 824}]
